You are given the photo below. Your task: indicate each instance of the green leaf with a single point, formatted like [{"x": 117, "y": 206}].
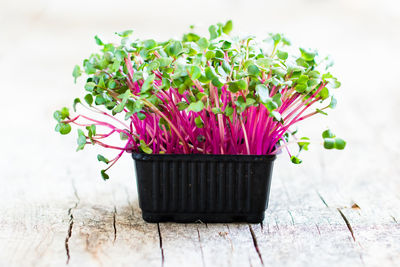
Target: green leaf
[
  {"x": 76, "y": 72},
  {"x": 175, "y": 48},
  {"x": 253, "y": 70},
  {"x": 89, "y": 67},
  {"x": 164, "y": 61},
  {"x": 203, "y": 43},
  {"x": 99, "y": 100},
  {"x": 340, "y": 143},
  {"x": 76, "y": 101},
  {"x": 190, "y": 37},
  {"x": 311, "y": 84},
  {"x": 228, "y": 111},
  {"x": 329, "y": 143},
  {"x": 270, "y": 105},
  {"x": 163, "y": 123},
  {"x": 150, "y": 44},
  {"x": 213, "y": 32},
  {"x": 250, "y": 101},
  {"x": 153, "y": 65},
  {"x": 81, "y": 140},
  {"x": 216, "y": 110},
  {"x": 57, "y": 115},
  {"x": 300, "y": 87},
  {"x": 227, "y": 28},
  {"x": 119, "y": 108},
  {"x": 282, "y": 55},
  {"x": 226, "y": 66},
  {"x": 333, "y": 82},
  {"x": 307, "y": 55},
  {"x": 237, "y": 85},
  {"x": 91, "y": 131},
  {"x": 277, "y": 99},
  {"x": 263, "y": 92},
  {"x": 196, "y": 106},
  {"x": 123, "y": 136},
  {"x": 104, "y": 175},
  {"x": 303, "y": 145},
  {"x": 165, "y": 84},
  {"x": 276, "y": 115},
  {"x": 333, "y": 102},
  {"x": 89, "y": 99},
  {"x": 276, "y": 38},
  {"x": 326, "y": 76},
  {"x": 286, "y": 41},
  {"x": 89, "y": 86},
  {"x": 64, "y": 113},
  {"x": 101, "y": 83},
  {"x": 296, "y": 160},
  {"x": 98, "y": 41},
  {"x": 124, "y": 33},
  {"x": 102, "y": 159},
  {"x": 328, "y": 134},
  {"x": 264, "y": 62},
  {"x": 226, "y": 45},
  {"x": 148, "y": 83},
  {"x": 63, "y": 128},
  {"x": 324, "y": 93},
  {"x": 182, "y": 105},
  {"x": 303, "y": 79},
  {"x": 218, "y": 82},
  {"x": 210, "y": 54},
  {"x": 141, "y": 116},
  {"x": 210, "y": 73},
  {"x": 195, "y": 72},
  {"x": 199, "y": 122},
  {"x": 111, "y": 84},
  {"x": 143, "y": 146}
]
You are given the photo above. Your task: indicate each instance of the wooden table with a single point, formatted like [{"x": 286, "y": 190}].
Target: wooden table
[
  {"x": 338, "y": 208},
  {"x": 321, "y": 214}
]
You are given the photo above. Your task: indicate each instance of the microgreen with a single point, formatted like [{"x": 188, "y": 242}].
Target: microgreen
[{"x": 213, "y": 94}]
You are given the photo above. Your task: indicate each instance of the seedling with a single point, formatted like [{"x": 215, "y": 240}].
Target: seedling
[{"x": 208, "y": 95}]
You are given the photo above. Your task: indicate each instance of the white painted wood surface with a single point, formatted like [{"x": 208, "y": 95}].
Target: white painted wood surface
[{"x": 339, "y": 208}]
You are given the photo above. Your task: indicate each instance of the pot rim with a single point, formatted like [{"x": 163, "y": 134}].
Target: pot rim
[{"x": 203, "y": 157}]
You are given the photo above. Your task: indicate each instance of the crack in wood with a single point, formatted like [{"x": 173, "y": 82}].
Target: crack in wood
[
  {"x": 161, "y": 245},
  {"x": 69, "y": 233},
  {"x": 322, "y": 199},
  {"x": 201, "y": 247},
  {"x": 71, "y": 223},
  {"x": 319, "y": 232},
  {"x": 394, "y": 219},
  {"x": 347, "y": 224},
  {"x": 114, "y": 224},
  {"x": 253, "y": 236},
  {"x": 291, "y": 217},
  {"x": 276, "y": 224},
  {"x": 229, "y": 229}
]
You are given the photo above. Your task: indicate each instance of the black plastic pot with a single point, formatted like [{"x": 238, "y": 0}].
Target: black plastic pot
[{"x": 207, "y": 188}]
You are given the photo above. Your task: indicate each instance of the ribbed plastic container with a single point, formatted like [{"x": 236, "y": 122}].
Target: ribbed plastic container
[{"x": 207, "y": 188}]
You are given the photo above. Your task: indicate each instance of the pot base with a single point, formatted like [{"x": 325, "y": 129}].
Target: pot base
[{"x": 203, "y": 217}]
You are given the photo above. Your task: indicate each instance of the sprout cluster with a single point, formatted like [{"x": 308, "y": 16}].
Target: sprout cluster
[{"x": 209, "y": 95}]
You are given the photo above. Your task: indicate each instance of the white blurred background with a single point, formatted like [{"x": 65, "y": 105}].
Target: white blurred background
[{"x": 41, "y": 41}]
